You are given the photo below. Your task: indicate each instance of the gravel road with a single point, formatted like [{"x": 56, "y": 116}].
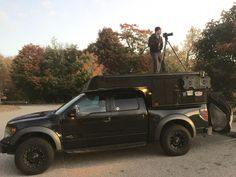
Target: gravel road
[{"x": 209, "y": 156}]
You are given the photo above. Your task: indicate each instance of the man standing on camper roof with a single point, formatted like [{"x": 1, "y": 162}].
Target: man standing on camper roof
[{"x": 155, "y": 43}]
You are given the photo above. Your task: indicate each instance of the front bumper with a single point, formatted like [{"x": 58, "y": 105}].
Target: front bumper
[{"x": 5, "y": 146}]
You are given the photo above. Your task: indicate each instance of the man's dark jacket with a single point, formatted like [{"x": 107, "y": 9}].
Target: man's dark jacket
[{"x": 155, "y": 43}]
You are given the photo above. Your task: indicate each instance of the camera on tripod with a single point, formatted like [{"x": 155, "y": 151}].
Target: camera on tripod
[{"x": 165, "y": 35}]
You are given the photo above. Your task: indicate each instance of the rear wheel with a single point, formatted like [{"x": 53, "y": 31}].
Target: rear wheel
[
  {"x": 34, "y": 156},
  {"x": 175, "y": 140}
]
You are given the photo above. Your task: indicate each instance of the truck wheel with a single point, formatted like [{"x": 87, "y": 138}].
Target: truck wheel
[
  {"x": 176, "y": 140},
  {"x": 34, "y": 156}
]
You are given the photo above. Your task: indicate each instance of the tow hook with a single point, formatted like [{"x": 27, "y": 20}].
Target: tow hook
[{"x": 209, "y": 130}]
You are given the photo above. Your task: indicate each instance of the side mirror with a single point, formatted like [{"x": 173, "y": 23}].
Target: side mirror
[{"x": 71, "y": 114}]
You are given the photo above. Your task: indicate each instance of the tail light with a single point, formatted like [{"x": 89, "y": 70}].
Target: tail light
[{"x": 203, "y": 113}]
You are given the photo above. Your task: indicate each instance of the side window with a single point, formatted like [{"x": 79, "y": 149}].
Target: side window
[
  {"x": 124, "y": 102},
  {"x": 90, "y": 104}
]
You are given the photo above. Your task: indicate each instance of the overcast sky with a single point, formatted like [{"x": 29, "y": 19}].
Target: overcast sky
[{"x": 78, "y": 21}]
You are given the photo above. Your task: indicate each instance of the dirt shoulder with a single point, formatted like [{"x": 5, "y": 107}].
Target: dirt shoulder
[{"x": 8, "y": 107}]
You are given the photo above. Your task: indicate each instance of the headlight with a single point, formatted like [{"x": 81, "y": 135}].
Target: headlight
[{"x": 9, "y": 131}]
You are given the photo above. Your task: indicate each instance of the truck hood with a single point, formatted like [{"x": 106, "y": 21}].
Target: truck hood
[{"x": 32, "y": 116}]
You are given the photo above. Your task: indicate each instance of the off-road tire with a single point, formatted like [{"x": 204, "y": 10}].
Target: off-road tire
[
  {"x": 34, "y": 156},
  {"x": 175, "y": 140}
]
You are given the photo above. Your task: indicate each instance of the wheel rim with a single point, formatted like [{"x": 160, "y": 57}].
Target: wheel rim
[
  {"x": 34, "y": 157},
  {"x": 178, "y": 140}
]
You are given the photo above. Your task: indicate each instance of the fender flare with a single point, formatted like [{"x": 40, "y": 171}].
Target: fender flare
[
  {"x": 174, "y": 117},
  {"x": 38, "y": 129}
]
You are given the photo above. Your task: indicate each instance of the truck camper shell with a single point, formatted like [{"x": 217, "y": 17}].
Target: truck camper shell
[{"x": 165, "y": 89}]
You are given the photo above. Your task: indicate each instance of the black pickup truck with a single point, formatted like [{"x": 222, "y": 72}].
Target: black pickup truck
[{"x": 107, "y": 117}]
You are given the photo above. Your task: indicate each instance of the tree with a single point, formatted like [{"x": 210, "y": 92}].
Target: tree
[
  {"x": 135, "y": 39},
  {"x": 143, "y": 63},
  {"x": 122, "y": 53},
  {"x": 216, "y": 52},
  {"x": 186, "y": 53},
  {"x": 26, "y": 71},
  {"x": 63, "y": 72},
  {"x": 172, "y": 63},
  {"x": 189, "y": 48},
  {"x": 52, "y": 74},
  {"x": 5, "y": 76},
  {"x": 91, "y": 64},
  {"x": 110, "y": 52},
  {"x": 2, "y": 74}
]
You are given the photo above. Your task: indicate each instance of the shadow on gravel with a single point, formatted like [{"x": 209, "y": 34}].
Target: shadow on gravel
[
  {"x": 98, "y": 158},
  {"x": 231, "y": 135},
  {"x": 74, "y": 161}
]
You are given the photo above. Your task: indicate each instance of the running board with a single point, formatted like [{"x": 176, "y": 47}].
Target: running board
[{"x": 105, "y": 148}]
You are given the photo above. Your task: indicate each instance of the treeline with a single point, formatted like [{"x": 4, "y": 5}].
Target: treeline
[
  {"x": 216, "y": 52},
  {"x": 51, "y": 74},
  {"x": 57, "y": 72}
]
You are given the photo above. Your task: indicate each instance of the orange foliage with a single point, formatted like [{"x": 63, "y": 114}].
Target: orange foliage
[{"x": 92, "y": 64}]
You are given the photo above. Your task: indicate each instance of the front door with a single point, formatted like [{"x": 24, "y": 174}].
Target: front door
[{"x": 90, "y": 126}]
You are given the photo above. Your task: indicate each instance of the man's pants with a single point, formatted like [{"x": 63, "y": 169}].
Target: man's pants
[{"x": 157, "y": 58}]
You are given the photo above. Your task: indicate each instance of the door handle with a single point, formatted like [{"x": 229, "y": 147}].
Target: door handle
[
  {"x": 142, "y": 116},
  {"x": 106, "y": 120}
]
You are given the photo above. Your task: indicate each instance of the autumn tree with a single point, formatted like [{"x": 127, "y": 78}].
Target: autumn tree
[
  {"x": 91, "y": 65},
  {"x": 189, "y": 47},
  {"x": 63, "y": 72},
  {"x": 216, "y": 52},
  {"x": 186, "y": 53},
  {"x": 52, "y": 74},
  {"x": 5, "y": 75},
  {"x": 135, "y": 39},
  {"x": 2, "y": 80},
  {"x": 124, "y": 52},
  {"x": 136, "y": 42},
  {"x": 110, "y": 52},
  {"x": 172, "y": 63},
  {"x": 26, "y": 71}
]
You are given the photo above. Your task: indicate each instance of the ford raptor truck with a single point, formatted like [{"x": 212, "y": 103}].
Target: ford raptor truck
[{"x": 118, "y": 112}]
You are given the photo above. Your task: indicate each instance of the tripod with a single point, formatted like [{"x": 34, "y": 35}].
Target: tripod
[{"x": 163, "y": 68}]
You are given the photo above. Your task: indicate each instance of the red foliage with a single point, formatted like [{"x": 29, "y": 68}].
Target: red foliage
[{"x": 26, "y": 65}]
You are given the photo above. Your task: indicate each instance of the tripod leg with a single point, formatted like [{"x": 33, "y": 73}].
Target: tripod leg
[
  {"x": 163, "y": 66},
  {"x": 177, "y": 56}
]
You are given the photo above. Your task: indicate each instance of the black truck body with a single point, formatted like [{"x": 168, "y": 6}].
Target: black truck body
[
  {"x": 113, "y": 115},
  {"x": 167, "y": 89}
]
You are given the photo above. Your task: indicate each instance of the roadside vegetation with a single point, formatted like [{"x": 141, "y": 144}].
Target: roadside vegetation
[{"x": 57, "y": 72}]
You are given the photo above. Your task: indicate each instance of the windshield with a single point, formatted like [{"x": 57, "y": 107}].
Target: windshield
[{"x": 68, "y": 104}]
